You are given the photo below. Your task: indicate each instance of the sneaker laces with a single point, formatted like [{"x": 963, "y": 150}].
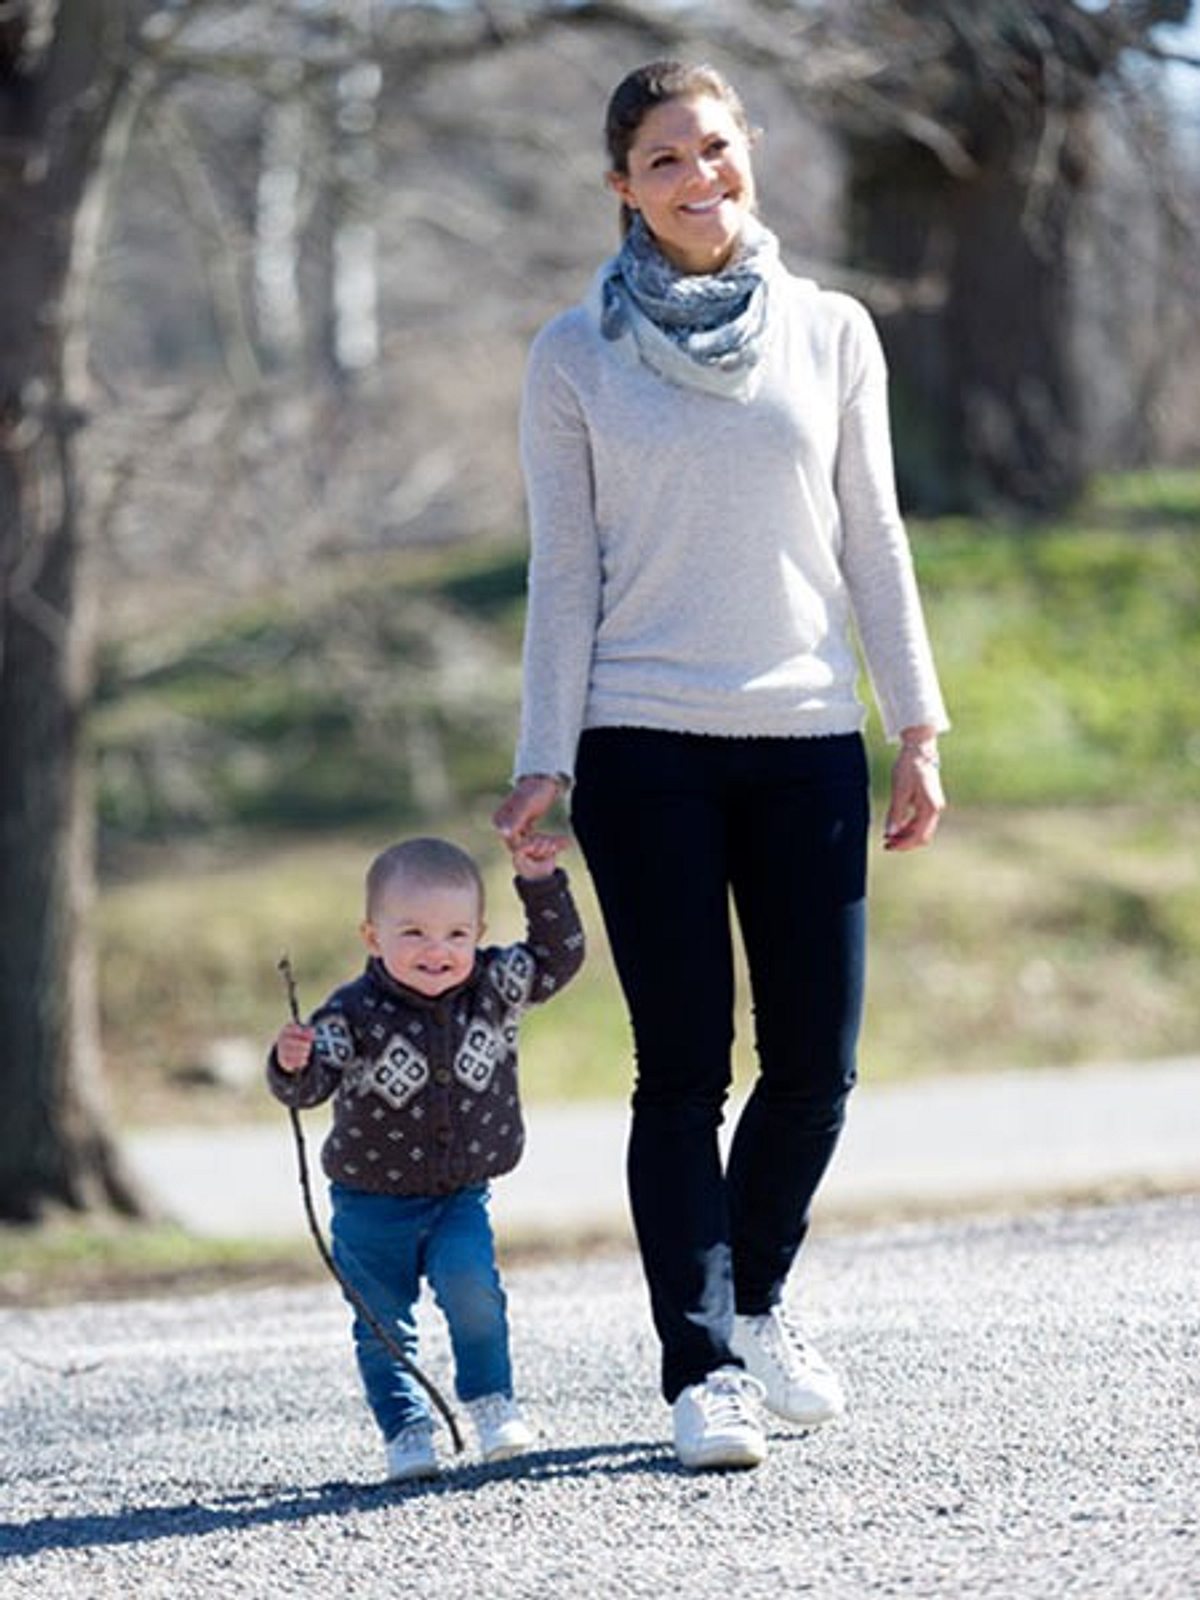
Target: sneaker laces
[
  {"x": 785, "y": 1343},
  {"x": 728, "y": 1398},
  {"x": 490, "y": 1410},
  {"x": 415, "y": 1435}
]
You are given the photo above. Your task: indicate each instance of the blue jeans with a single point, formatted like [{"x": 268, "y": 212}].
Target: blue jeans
[
  {"x": 385, "y": 1245},
  {"x": 673, "y": 826}
]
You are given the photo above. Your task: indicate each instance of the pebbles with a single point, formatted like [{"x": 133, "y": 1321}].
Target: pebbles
[{"x": 1023, "y": 1423}]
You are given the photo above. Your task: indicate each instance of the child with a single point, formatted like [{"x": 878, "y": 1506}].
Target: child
[{"x": 419, "y": 1053}]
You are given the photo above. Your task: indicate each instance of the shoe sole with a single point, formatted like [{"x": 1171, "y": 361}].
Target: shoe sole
[
  {"x": 805, "y": 1420},
  {"x": 412, "y": 1474},
  {"x": 505, "y": 1452},
  {"x": 715, "y": 1456}
]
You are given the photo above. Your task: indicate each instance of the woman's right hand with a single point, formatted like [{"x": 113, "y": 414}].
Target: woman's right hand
[{"x": 521, "y": 811}]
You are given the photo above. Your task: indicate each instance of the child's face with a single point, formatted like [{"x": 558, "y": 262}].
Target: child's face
[{"x": 425, "y": 937}]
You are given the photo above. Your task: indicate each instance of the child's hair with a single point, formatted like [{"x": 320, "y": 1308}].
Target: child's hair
[
  {"x": 657, "y": 82},
  {"x": 425, "y": 864}
]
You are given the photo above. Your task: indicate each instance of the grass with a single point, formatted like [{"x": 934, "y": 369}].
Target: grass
[
  {"x": 64, "y": 1261},
  {"x": 380, "y": 694},
  {"x": 1070, "y": 654}
]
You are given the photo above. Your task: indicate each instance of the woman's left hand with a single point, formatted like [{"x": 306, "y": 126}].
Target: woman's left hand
[{"x": 917, "y": 797}]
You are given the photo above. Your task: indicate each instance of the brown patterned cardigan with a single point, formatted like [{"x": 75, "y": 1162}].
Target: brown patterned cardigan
[{"x": 425, "y": 1090}]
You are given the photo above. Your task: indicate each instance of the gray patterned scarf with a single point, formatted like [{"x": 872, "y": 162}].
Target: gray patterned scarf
[{"x": 703, "y": 330}]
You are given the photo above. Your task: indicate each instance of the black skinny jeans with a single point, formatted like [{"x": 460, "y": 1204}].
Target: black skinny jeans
[{"x": 671, "y": 826}]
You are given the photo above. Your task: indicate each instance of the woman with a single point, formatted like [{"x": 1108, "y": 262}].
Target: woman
[{"x": 708, "y": 467}]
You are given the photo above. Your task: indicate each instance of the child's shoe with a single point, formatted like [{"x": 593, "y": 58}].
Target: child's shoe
[
  {"x": 502, "y": 1430},
  {"x": 411, "y": 1453}
]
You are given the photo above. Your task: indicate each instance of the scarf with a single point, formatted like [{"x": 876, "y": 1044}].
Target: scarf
[{"x": 704, "y": 330}]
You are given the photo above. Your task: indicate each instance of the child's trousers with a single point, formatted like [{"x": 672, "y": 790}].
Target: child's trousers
[{"x": 385, "y": 1245}]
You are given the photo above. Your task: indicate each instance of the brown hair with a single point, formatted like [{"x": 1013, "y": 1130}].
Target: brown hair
[
  {"x": 425, "y": 864},
  {"x": 657, "y": 82}
]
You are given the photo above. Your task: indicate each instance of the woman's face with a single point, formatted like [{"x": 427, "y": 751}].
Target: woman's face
[{"x": 690, "y": 177}]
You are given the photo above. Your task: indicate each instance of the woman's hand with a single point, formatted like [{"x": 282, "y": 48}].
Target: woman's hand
[
  {"x": 516, "y": 819},
  {"x": 917, "y": 799}
]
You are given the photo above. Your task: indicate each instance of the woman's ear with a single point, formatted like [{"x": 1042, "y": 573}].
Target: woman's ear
[{"x": 618, "y": 182}]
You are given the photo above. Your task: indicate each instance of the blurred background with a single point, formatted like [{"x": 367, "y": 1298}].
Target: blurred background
[{"x": 268, "y": 273}]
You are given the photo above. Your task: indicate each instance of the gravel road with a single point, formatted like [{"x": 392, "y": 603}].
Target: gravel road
[{"x": 1024, "y": 1424}]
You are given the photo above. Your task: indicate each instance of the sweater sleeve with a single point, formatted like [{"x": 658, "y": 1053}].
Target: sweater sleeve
[
  {"x": 553, "y": 949},
  {"x": 876, "y": 557},
  {"x": 334, "y": 1048},
  {"x": 564, "y": 567}
]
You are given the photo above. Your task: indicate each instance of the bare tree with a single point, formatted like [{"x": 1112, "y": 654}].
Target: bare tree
[
  {"x": 64, "y": 83},
  {"x": 971, "y": 133}
]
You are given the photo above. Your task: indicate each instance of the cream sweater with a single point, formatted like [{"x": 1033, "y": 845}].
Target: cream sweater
[{"x": 698, "y": 561}]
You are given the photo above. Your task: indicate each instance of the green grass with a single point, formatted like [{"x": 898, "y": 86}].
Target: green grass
[
  {"x": 1070, "y": 654},
  {"x": 249, "y": 766},
  {"x": 379, "y": 694}
]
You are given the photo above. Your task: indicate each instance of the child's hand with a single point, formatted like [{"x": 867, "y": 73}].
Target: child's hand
[
  {"x": 537, "y": 855},
  {"x": 293, "y": 1047}
]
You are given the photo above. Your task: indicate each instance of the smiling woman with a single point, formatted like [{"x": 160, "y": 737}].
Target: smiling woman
[{"x": 706, "y": 450}]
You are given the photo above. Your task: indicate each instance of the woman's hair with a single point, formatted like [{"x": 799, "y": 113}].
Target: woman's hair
[
  {"x": 422, "y": 864},
  {"x": 657, "y": 82}
]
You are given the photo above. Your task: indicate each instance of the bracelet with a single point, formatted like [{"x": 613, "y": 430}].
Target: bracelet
[
  {"x": 917, "y": 751},
  {"x": 560, "y": 779}
]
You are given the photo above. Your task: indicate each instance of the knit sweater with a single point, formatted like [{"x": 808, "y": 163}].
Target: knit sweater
[
  {"x": 700, "y": 563},
  {"x": 425, "y": 1088}
]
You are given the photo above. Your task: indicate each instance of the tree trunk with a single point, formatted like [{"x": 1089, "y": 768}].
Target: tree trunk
[
  {"x": 1010, "y": 330},
  {"x": 57, "y": 111},
  {"x": 986, "y": 390}
]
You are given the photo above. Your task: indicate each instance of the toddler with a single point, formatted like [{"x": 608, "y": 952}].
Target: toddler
[{"x": 419, "y": 1053}]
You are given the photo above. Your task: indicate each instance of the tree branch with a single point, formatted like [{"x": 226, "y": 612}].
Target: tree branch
[{"x": 217, "y": 253}]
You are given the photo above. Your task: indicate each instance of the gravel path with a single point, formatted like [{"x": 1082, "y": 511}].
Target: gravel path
[{"x": 1024, "y": 1424}]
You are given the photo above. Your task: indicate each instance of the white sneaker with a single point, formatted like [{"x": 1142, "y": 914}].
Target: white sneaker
[
  {"x": 717, "y": 1422},
  {"x": 411, "y": 1453},
  {"x": 501, "y": 1429},
  {"x": 800, "y": 1385}
]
